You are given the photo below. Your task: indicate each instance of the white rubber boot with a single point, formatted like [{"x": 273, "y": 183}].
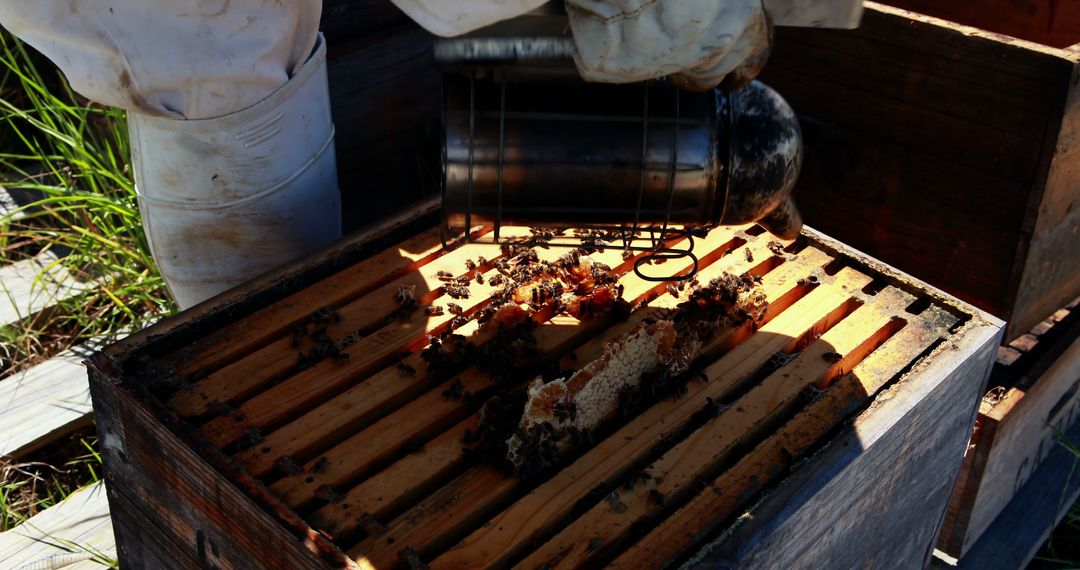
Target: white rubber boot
[{"x": 229, "y": 198}]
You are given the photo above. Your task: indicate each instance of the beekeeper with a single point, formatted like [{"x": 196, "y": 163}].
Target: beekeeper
[{"x": 228, "y": 108}]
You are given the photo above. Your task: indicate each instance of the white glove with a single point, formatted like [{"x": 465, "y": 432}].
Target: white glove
[
  {"x": 697, "y": 43},
  {"x": 184, "y": 59}
]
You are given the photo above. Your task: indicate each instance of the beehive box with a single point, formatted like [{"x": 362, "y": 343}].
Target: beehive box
[
  {"x": 830, "y": 433},
  {"x": 1032, "y": 399},
  {"x": 949, "y": 151}
]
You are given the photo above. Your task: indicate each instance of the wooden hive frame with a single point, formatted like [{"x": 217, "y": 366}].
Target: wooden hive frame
[{"x": 221, "y": 450}]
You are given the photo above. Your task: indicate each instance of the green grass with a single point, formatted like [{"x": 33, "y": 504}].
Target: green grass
[
  {"x": 36, "y": 483},
  {"x": 1062, "y": 549},
  {"x": 73, "y": 155}
]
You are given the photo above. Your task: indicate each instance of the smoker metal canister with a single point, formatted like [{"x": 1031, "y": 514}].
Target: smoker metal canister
[{"x": 571, "y": 154}]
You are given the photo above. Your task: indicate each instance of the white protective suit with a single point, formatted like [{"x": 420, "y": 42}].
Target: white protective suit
[{"x": 228, "y": 106}]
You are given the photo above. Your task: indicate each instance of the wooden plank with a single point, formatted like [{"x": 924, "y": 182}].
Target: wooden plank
[
  {"x": 407, "y": 478},
  {"x": 272, "y": 361},
  {"x": 8, "y": 205},
  {"x": 836, "y": 515},
  {"x": 52, "y": 537},
  {"x": 483, "y": 489},
  {"x": 45, "y": 402},
  {"x": 676, "y": 535},
  {"x": 433, "y": 411},
  {"x": 306, "y": 389},
  {"x": 359, "y": 406},
  {"x": 201, "y": 521},
  {"x": 1041, "y": 395},
  {"x": 910, "y": 89},
  {"x": 1043, "y": 21},
  {"x": 1022, "y": 527},
  {"x": 35, "y": 284},
  {"x": 1025, "y": 432},
  {"x": 238, "y": 338},
  {"x": 675, "y": 474},
  {"x": 1051, "y": 272},
  {"x": 12, "y": 199}
]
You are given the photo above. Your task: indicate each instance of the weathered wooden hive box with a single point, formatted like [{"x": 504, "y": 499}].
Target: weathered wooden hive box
[
  {"x": 947, "y": 145},
  {"x": 944, "y": 139},
  {"x": 827, "y": 435},
  {"x": 1032, "y": 400}
]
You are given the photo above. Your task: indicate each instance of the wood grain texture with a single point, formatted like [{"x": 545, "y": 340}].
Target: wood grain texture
[
  {"x": 836, "y": 516},
  {"x": 405, "y": 479},
  {"x": 35, "y": 284},
  {"x": 1015, "y": 432},
  {"x": 82, "y": 519},
  {"x": 374, "y": 351},
  {"x": 1018, "y": 532},
  {"x": 182, "y": 502},
  {"x": 1051, "y": 272},
  {"x": 987, "y": 120},
  {"x": 720, "y": 498},
  {"x": 201, "y": 519},
  {"x": 1055, "y": 24},
  {"x": 477, "y": 493},
  {"x": 246, "y": 334},
  {"x": 370, "y": 315},
  {"x": 675, "y": 475},
  {"x": 432, "y": 412},
  {"x": 1023, "y": 437},
  {"x": 45, "y": 402},
  {"x": 365, "y": 402}
]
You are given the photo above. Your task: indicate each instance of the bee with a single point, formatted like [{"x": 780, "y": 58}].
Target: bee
[
  {"x": 480, "y": 278},
  {"x": 324, "y": 315},
  {"x": 457, "y": 291},
  {"x": 470, "y": 264},
  {"x": 444, "y": 275},
  {"x": 454, "y": 309},
  {"x": 320, "y": 465},
  {"x": 458, "y": 321},
  {"x": 287, "y": 467},
  {"x": 749, "y": 256},
  {"x": 565, "y": 410},
  {"x": 371, "y": 526},
  {"x": 673, "y": 289},
  {"x": 454, "y": 391},
  {"x": 405, "y": 294},
  {"x": 410, "y": 559},
  {"x": 656, "y": 497},
  {"x": 297, "y": 335},
  {"x": 433, "y": 311},
  {"x": 405, "y": 370},
  {"x": 328, "y": 494},
  {"x": 776, "y": 247}
]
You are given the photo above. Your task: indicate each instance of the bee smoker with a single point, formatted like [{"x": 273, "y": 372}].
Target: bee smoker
[{"x": 526, "y": 142}]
